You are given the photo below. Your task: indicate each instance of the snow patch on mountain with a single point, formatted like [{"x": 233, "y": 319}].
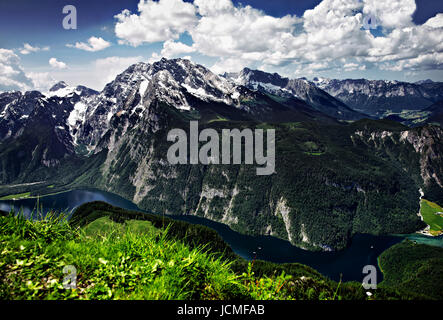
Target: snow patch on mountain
[
  {"x": 62, "y": 92},
  {"x": 76, "y": 116}
]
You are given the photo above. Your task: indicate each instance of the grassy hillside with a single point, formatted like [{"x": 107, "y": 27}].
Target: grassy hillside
[
  {"x": 127, "y": 255},
  {"x": 433, "y": 216},
  {"x": 414, "y": 267}
]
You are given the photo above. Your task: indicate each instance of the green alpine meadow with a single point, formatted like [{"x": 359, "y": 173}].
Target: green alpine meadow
[{"x": 120, "y": 254}]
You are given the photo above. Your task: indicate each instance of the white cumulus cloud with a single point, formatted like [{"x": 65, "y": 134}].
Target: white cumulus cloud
[
  {"x": 174, "y": 49},
  {"x": 393, "y": 13},
  {"x": 27, "y": 49},
  {"x": 53, "y": 62},
  {"x": 12, "y": 76},
  {"x": 156, "y": 21},
  {"x": 94, "y": 44},
  {"x": 227, "y": 31}
]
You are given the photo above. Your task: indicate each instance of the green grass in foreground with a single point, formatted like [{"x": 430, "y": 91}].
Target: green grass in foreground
[
  {"x": 136, "y": 259},
  {"x": 428, "y": 211},
  {"x": 17, "y": 196},
  {"x": 133, "y": 260},
  {"x": 104, "y": 227}
]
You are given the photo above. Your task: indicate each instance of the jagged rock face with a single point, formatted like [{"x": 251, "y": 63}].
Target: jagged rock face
[
  {"x": 377, "y": 97},
  {"x": 39, "y": 140},
  {"x": 252, "y": 77},
  {"x": 170, "y": 81},
  {"x": 34, "y": 131},
  {"x": 197, "y": 80},
  {"x": 179, "y": 83},
  {"x": 8, "y": 97},
  {"x": 298, "y": 88},
  {"x": 18, "y": 109},
  {"x": 91, "y": 116},
  {"x": 15, "y": 109},
  {"x": 427, "y": 142}
]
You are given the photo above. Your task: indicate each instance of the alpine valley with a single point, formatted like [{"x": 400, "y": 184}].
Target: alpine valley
[{"x": 351, "y": 155}]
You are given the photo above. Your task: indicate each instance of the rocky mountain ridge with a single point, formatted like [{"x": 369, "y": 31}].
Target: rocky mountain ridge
[{"x": 380, "y": 97}]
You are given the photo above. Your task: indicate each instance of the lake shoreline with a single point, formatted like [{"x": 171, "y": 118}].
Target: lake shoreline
[
  {"x": 423, "y": 232},
  {"x": 364, "y": 249}
]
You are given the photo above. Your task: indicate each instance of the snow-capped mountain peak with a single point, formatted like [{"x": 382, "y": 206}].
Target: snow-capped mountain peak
[
  {"x": 302, "y": 89},
  {"x": 197, "y": 80},
  {"x": 173, "y": 81},
  {"x": 62, "y": 89},
  {"x": 59, "y": 85}
]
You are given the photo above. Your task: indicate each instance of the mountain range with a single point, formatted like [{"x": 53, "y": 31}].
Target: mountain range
[
  {"x": 339, "y": 170},
  {"x": 379, "y": 98}
]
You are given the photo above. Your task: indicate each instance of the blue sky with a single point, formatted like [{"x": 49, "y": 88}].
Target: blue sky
[{"x": 304, "y": 38}]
